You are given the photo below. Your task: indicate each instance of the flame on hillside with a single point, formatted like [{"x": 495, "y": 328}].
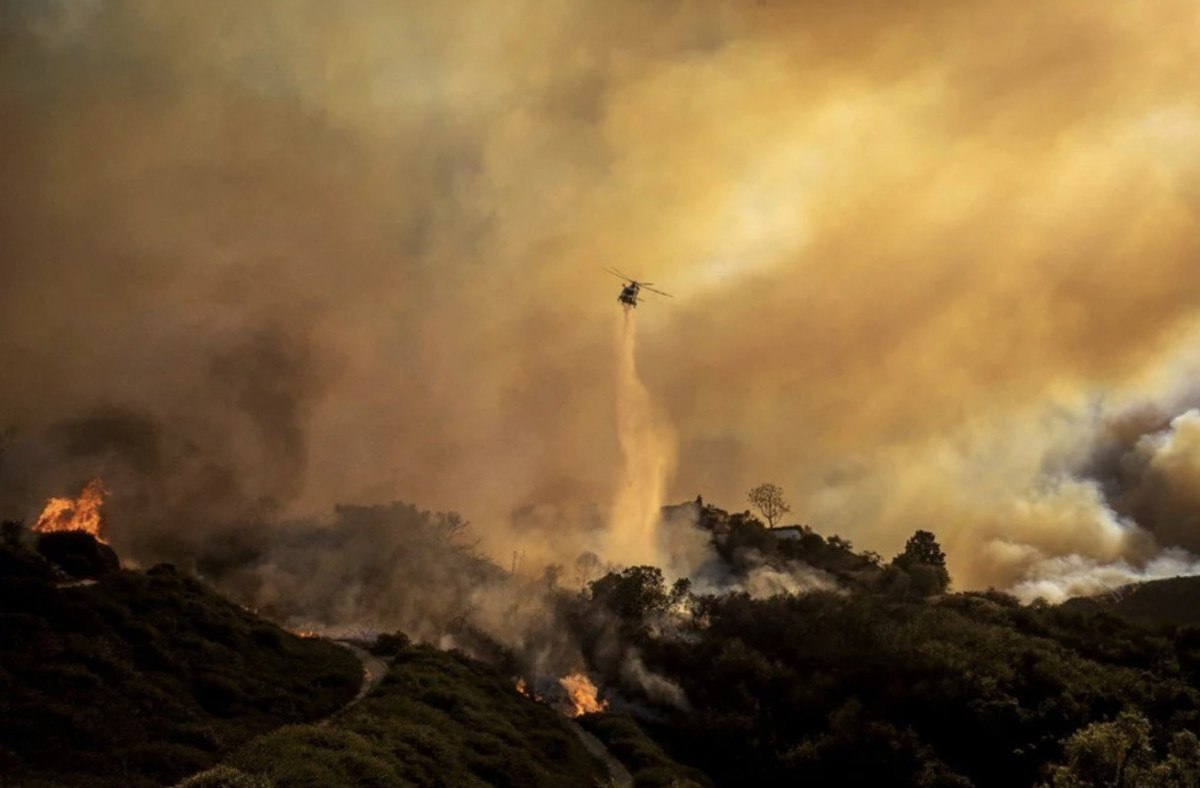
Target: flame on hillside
[
  {"x": 523, "y": 688},
  {"x": 581, "y": 696},
  {"x": 75, "y": 514}
]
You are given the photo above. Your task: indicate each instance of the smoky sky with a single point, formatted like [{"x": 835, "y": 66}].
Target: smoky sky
[{"x": 353, "y": 252}]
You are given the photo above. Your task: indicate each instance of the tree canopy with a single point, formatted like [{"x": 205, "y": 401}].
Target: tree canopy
[
  {"x": 768, "y": 499},
  {"x": 924, "y": 564}
]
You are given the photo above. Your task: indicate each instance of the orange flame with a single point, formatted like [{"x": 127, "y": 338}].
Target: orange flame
[
  {"x": 523, "y": 688},
  {"x": 581, "y": 696},
  {"x": 79, "y": 514}
]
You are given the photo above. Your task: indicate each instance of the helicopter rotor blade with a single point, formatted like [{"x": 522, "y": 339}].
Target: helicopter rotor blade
[
  {"x": 617, "y": 275},
  {"x": 622, "y": 274},
  {"x": 661, "y": 293}
]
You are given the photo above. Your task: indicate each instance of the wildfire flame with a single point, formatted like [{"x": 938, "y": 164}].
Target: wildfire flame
[
  {"x": 523, "y": 688},
  {"x": 78, "y": 514},
  {"x": 581, "y": 696}
]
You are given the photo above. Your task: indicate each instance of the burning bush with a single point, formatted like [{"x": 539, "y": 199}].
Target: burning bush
[
  {"x": 75, "y": 514},
  {"x": 70, "y": 534},
  {"x": 581, "y": 696}
]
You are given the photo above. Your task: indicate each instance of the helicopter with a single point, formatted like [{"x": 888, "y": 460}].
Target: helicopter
[{"x": 629, "y": 293}]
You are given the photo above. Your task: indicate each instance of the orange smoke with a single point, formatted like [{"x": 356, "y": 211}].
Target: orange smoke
[
  {"x": 581, "y": 696},
  {"x": 79, "y": 514}
]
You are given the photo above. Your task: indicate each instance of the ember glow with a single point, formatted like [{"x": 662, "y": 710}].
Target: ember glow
[
  {"x": 581, "y": 696},
  {"x": 75, "y": 514}
]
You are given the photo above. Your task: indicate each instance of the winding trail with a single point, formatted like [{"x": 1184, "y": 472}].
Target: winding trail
[
  {"x": 620, "y": 776},
  {"x": 76, "y": 583},
  {"x": 374, "y": 669}
]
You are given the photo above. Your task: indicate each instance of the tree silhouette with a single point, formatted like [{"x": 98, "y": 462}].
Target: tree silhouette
[
  {"x": 768, "y": 499},
  {"x": 925, "y": 563},
  {"x": 635, "y": 595},
  {"x": 587, "y": 567}
]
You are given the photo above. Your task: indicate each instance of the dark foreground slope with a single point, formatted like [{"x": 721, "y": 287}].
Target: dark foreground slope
[
  {"x": 143, "y": 678},
  {"x": 1174, "y": 601},
  {"x": 439, "y": 718},
  {"x": 645, "y": 760}
]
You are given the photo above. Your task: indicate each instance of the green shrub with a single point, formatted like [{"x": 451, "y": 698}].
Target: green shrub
[
  {"x": 163, "y": 677},
  {"x": 437, "y": 719}
]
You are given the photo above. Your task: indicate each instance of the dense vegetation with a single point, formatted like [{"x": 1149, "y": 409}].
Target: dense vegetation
[
  {"x": 886, "y": 681},
  {"x": 438, "y": 718},
  {"x": 879, "y": 676},
  {"x": 142, "y": 678},
  {"x": 646, "y": 761}
]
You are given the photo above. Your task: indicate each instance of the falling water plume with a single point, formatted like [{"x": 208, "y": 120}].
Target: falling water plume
[{"x": 647, "y": 442}]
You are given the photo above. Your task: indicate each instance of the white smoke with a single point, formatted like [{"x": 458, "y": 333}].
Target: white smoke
[
  {"x": 764, "y": 580},
  {"x": 794, "y": 578},
  {"x": 1058, "y": 578},
  {"x": 658, "y": 688}
]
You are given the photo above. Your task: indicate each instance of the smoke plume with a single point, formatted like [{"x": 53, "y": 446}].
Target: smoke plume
[{"x": 260, "y": 258}]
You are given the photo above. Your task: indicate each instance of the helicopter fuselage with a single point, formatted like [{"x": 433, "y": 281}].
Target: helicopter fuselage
[{"x": 632, "y": 288}]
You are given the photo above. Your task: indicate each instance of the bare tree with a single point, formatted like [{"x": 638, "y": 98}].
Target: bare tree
[
  {"x": 587, "y": 568},
  {"x": 768, "y": 499},
  {"x": 459, "y": 622}
]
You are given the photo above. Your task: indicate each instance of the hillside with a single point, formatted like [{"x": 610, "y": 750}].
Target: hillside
[
  {"x": 876, "y": 682},
  {"x": 438, "y": 718},
  {"x": 871, "y": 674},
  {"x": 1174, "y": 601},
  {"x": 143, "y": 677}
]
